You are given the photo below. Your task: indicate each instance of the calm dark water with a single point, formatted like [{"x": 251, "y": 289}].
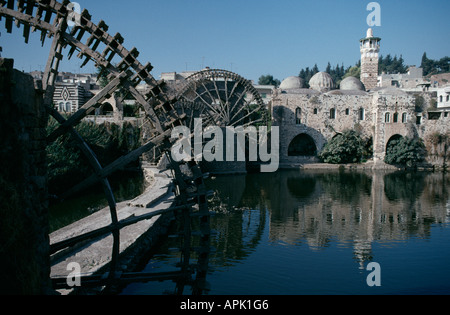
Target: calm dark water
[{"x": 315, "y": 232}]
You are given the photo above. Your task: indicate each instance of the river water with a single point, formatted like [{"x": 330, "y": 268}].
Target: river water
[{"x": 315, "y": 232}]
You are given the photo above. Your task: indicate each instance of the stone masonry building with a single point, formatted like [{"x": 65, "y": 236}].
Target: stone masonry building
[{"x": 309, "y": 118}]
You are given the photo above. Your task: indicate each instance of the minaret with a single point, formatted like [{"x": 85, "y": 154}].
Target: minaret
[{"x": 370, "y": 49}]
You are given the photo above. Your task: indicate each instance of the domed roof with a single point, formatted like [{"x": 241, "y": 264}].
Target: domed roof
[
  {"x": 390, "y": 91},
  {"x": 322, "y": 81},
  {"x": 291, "y": 83},
  {"x": 352, "y": 83}
]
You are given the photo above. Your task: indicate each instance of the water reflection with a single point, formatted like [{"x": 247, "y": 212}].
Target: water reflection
[
  {"x": 316, "y": 208},
  {"x": 310, "y": 232}
]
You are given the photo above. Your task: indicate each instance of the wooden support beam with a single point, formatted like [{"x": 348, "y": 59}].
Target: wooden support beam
[{"x": 118, "y": 164}]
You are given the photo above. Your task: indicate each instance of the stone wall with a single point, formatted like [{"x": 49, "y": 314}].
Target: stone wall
[
  {"x": 394, "y": 115},
  {"x": 379, "y": 115},
  {"x": 24, "y": 243},
  {"x": 436, "y": 135},
  {"x": 317, "y": 120}
]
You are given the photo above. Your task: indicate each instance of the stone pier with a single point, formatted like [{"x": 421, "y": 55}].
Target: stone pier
[
  {"x": 135, "y": 240},
  {"x": 24, "y": 244}
]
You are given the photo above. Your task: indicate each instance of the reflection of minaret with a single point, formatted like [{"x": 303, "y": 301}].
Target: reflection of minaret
[
  {"x": 363, "y": 245},
  {"x": 362, "y": 251},
  {"x": 448, "y": 212},
  {"x": 370, "y": 48}
]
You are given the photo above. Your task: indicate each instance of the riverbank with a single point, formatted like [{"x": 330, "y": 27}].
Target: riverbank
[
  {"x": 94, "y": 257},
  {"x": 363, "y": 166}
]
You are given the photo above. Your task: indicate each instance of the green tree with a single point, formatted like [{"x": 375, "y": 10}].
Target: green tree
[
  {"x": 427, "y": 64},
  {"x": 68, "y": 166},
  {"x": 348, "y": 147},
  {"x": 328, "y": 69},
  {"x": 405, "y": 152},
  {"x": 307, "y": 73},
  {"x": 353, "y": 72},
  {"x": 315, "y": 69},
  {"x": 268, "y": 80},
  {"x": 392, "y": 65},
  {"x": 444, "y": 65},
  {"x": 431, "y": 66}
]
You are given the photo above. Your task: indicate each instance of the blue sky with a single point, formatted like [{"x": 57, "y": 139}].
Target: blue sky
[{"x": 254, "y": 37}]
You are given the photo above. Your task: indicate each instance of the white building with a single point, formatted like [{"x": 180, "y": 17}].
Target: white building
[
  {"x": 69, "y": 97},
  {"x": 412, "y": 80},
  {"x": 443, "y": 97},
  {"x": 266, "y": 92}
]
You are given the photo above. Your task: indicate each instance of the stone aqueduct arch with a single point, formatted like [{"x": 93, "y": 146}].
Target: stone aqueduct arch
[{"x": 390, "y": 130}]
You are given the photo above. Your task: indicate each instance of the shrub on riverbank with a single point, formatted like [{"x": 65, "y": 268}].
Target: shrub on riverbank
[
  {"x": 66, "y": 164},
  {"x": 348, "y": 147},
  {"x": 405, "y": 152}
]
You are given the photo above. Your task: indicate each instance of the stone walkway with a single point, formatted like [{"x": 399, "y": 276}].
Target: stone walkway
[{"x": 97, "y": 254}]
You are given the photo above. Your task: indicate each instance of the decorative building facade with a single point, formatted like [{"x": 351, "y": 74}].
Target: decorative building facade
[
  {"x": 69, "y": 97},
  {"x": 309, "y": 118}
]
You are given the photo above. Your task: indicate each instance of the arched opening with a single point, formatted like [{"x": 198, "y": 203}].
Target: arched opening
[
  {"x": 68, "y": 107},
  {"x": 404, "y": 118},
  {"x": 332, "y": 113},
  {"x": 362, "y": 114},
  {"x": 302, "y": 145},
  {"x": 107, "y": 110},
  {"x": 396, "y": 118},
  {"x": 393, "y": 141},
  {"x": 387, "y": 118},
  {"x": 298, "y": 116}
]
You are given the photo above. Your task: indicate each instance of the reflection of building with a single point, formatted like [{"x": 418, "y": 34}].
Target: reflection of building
[{"x": 388, "y": 207}]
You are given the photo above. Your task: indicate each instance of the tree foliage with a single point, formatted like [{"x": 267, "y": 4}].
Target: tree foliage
[
  {"x": 431, "y": 66},
  {"x": 353, "y": 72},
  {"x": 348, "y": 147},
  {"x": 67, "y": 165},
  {"x": 392, "y": 65},
  {"x": 307, "y": 73},
  {"x": 337, "y": 73},
  {"x": 405, "y": 152},
  {"x": 268, "y": 80}
]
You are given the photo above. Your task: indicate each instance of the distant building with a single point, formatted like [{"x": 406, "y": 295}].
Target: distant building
[
  {"x": 69, "y": 97},
  {"x": 413, "y": 80},
  {"x": 266, "y": 92},
  {"x": 72, "y": 91},
  {"x": 174, "y": 76},
  {"x": 443, "y": 97}
]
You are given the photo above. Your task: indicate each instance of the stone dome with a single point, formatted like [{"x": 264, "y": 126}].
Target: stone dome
[
  {"x": 352, "y": 83},
  {"x": 292, "y": 83},
  {"x": 322, "y": 81}
]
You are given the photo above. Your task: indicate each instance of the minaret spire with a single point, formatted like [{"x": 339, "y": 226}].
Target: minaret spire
[{"x": 370, "y": 49}]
